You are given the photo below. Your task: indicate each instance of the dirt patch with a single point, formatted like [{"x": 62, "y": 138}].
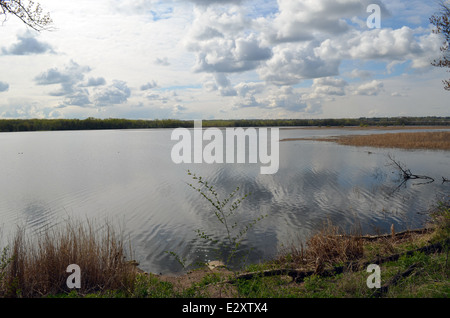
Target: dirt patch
[{"x": 219, "y": 289}]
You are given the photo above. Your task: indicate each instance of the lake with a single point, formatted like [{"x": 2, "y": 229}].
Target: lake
[{"x": 127, "y": 177}]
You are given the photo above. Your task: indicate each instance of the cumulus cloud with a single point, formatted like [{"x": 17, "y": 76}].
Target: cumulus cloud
[
  {"x": 99, "y": 81},
  {"x": 162, "y": 97},
  {"x": 372, "y": 88},
  {"x": 27, "y": 44},
  {"x": 116, "y": 93},
  {"x": 328, "y": 86},
  {"x": 223, "y": 84},
  {"x": 3, "y": 86},
  {"x": 179, "y": 109},
  {"x": 23, "y": 108},
  {"x": 70, "y": 74},
  {"x": 292, "y": 63},
  {"x": 149, "y": 85},
  {"x": 213, "y": 2},
  {"x": 312, "y": 19},
  {"x": 67, "y": 78},
  {"x": 356, "y": 73},
  {"x": 222, "y": 42},
  {"x": 162, "y": 61},
  {"x": 80, "y": 97},
  {"x": 384, "y": 44},
  {"x": 273, "y": 97},
  {"x": 76, "y": 92}
]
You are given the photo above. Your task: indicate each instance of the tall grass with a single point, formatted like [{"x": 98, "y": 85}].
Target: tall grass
[
  {"x": 328, "y": 246},
  {"x": 35, "y": 266}
]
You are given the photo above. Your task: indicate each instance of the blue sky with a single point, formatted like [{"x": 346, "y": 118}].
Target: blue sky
[{"x": 200, "y": 59}]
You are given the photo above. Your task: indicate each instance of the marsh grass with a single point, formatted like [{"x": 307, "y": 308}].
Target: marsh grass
[
  {"x": 35, "y": 265},
  {"x": 327, "y": 246},
  {"x": 417, "y": 140}
]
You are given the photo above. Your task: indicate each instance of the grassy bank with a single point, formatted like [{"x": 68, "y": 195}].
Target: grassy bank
[
  {"x": 417, "y": 140},
  {"x": 330, "y": 264}
]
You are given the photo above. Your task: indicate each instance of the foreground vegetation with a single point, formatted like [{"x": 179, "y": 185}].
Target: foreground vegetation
[
  {"x": 11, "y": 125},
  {"x": 330, "y": 264}
]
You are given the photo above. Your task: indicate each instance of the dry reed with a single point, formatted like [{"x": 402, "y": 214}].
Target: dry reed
[
  {"x": 37, "y": 266},
  {"x": 328, "y": 246},
  {"x": 417, "y": 140}
]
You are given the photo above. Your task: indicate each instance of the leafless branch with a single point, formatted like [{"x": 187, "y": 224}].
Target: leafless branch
[
  {"x": 407, "y": 174},
  {"x": 29, "y": 12}
]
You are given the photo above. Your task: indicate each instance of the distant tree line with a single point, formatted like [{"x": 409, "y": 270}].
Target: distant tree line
[{"x": 11, "y": 125}]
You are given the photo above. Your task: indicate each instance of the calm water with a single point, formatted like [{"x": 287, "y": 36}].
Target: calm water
[{"x": 127, "y": 177}]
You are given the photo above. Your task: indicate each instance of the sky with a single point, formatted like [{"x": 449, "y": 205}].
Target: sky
[{"x": 224, "y": 59}]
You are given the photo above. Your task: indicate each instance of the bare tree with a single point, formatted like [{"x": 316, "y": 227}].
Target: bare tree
[
  {"x": 28, "y": 12},
  {"x": 441, "y": 21}
]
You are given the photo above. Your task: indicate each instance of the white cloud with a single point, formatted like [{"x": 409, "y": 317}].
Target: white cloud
[
  {"x": 328, "y": 86},
  {"x": 222, "y": 42},
  {"x": 24, "y": 108},
  {"x": 389, "y": 45},
  {"x": 27, "y": 44},
  {"x": 295, "y": 62},
  {"x": 116, "y": 93},
  {"x": 149, "y": 85},
  {"x": 68, "y": 77},
  {"x": 372, "y": 88}
]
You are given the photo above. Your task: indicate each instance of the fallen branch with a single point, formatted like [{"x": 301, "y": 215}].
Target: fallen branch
[
  {"x": 406, "y": 173},
  {"x": 298, "y": 275},
  {"x": 394, "y": 280},
  {"x": 383, "y": 236},
  {"x": 432, "y": 248}
]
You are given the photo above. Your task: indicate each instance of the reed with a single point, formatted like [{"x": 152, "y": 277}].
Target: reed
[
  {"x": 35, "y": 266},
  {"x": 326, "y": 247},
  {"x": 417, "y": 140}
]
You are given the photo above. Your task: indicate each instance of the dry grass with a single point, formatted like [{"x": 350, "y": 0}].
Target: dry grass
[
  {"x": 37, "y": 267},
  {"x": 328, "y": 246},
  {"x": 417, "y": 140}
]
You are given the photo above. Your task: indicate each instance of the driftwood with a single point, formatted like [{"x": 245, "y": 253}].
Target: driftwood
[
  {"x": 298, "y": 275},
  {"x": 384, "y": 236},
  {"x": 432, "y": 248}
]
